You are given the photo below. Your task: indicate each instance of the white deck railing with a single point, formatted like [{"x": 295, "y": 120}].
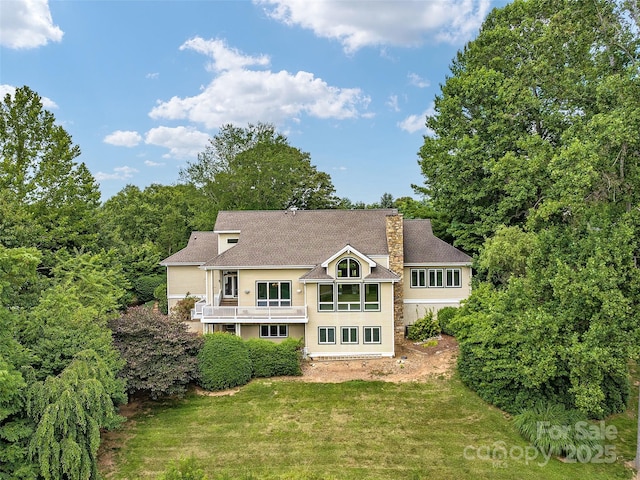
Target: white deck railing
[{"x": 211, "y": 314}]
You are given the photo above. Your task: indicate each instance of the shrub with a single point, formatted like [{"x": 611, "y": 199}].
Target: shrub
[
  {"x": 445, "y": 315},
  {"x": 270, "y": 359},
  {"x": 555, "y": 430},
  {"x": 145, "y": 287},
  {"x": 160, "y": 294},
  {"x": 182, "y": 310},
  {"x": 184, "y": 469},
  {"x": 424, "y": 328},
  {"x": 160, "y": 354},
  {"x": 223, "y": 362}
]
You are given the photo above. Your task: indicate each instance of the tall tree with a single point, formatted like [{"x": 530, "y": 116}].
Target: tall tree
[
  {"x": 532, "y": 75},
  {"x": 255, "y": 168},
  {"x": 158, "y": 214},
  {"x": 48, "y": 200},
  {"x": 534, "y": 161},
  {"x": 69, "y": 410}
]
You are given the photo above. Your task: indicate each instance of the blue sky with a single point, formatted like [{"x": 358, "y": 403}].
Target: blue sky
[{"x": 142, "y": 85}]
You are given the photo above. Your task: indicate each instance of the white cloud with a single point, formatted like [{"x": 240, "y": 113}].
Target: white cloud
[
  {"x": 224, "y": 58},
  {"x": 358, "y": 24},
  {"x": 416, "y": 123},
  {"x": 119, "y": 173},
  {"x": 152, "y": 76},
  {"x": 27, "y": 24},
  {"x": 11, "y": 90},
  {"x": 392, "y": 103},
  {"x": 150, "y": 163},
  {"x": 238, "y": 95},
  {"x": 121, "y": 138},
  {"x": 417, "y": 81},
  {"x": 182, "y": 142}
]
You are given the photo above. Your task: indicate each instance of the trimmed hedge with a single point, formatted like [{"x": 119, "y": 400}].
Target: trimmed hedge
[
  {"x": 223, "y": 362},
  {"x": 146, "y": 285},
  {"x": 271, "y": 359},
  {"x": 445, "y": 315}
]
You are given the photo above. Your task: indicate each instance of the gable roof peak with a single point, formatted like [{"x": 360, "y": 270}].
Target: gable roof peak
[{"x": 348, "y": 249}]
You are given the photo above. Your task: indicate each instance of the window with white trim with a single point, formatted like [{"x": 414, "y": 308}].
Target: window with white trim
[
  {"x": 348, "y": 334},
  {"x": 325, "y": 297},
  {"x": 453, "y": 278},
  {"x": 348, "y": 268},
  {"x": 274, "y": 331},
  {"x": 273, "y": 294},
  {"x": 372, "y": 334},
  {"x": 372, "y": 296},
  {"x": 418, "y": 277},
  {"x": 435, "y": 278},
  {"x": 326, "y": 335},
  {"x": 349, "y": 296},
  {"x": 445, "y": 277}
]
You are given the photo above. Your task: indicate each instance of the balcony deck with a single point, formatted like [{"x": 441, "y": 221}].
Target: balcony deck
[{"x": 211, "y": 314}]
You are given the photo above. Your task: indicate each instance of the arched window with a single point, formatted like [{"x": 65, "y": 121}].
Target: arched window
[{"x": 348, "y": 268}]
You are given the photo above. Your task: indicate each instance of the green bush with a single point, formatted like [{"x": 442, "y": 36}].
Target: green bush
[
  {"x": 145, "y": 287},
  {"x": 223, "y": 362},
  {"x": 554, "y": 430},
  {"x": 424, "y": 328},
  {"x": 271, "y": 359},
  {"x": 160, "y": 294},
  {"x": 445, "y": 315},
  {"x": 184, "y": 469}
]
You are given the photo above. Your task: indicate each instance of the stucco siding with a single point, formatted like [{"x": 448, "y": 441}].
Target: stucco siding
[
  {"x": 337, "y": 319},
  {"x": 183, "y": 280},
  {"x": 247, "y": 280},
  {"x": 437, "y": 293},
  {"x": 253, "y": 331},
  {"x": 414, "y": 310}
]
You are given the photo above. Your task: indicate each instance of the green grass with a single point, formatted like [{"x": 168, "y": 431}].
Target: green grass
[{"x": 354, "y": 430}]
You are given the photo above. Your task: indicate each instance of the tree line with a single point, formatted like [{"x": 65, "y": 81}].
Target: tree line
[
  {"x": 533, "y": 163},
  {"x": 72, "y": 347}
]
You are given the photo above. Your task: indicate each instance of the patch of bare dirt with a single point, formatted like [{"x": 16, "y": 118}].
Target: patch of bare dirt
[{"x": 413, "y": 362}]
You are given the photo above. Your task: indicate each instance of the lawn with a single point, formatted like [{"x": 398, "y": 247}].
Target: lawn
[{"x": 282, "y": 429}]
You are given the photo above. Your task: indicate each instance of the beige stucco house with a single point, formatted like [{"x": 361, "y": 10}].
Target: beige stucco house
[{"x": 347, "y": 281}]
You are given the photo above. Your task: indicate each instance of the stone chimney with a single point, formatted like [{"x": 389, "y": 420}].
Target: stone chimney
[{"x": 395, "y": 244}]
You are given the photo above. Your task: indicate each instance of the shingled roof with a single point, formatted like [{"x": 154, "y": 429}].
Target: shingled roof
[
  {"x": 306, "y": 238},
  {"x": 421, "y": 246},
  {"x": 302, "y": 238},
  {"x": 202, "y": 246}
]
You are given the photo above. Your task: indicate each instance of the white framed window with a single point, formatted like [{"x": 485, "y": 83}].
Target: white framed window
[
  {"x": 348, "y": 334},
  {"x": 273, "y": 294},
  {"x": 326, "y": 335},
  {"x": 348, "y": 268},
  {"x": 274, "y": 331},
  {"x": 372, "y": 334},
  {"x": 444, "y": 277},
  {"x": 418, "y": 277},
  {"x": 372, "y": 296},
  {"x": 325, "y": 297},
  {"x": 453, "y": 278},
  {"x": 349, "y": 297},
  {"x": 435, "y": 278}
]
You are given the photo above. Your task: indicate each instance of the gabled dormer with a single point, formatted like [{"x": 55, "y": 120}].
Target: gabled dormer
[{"x": 348, "y": 264}]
